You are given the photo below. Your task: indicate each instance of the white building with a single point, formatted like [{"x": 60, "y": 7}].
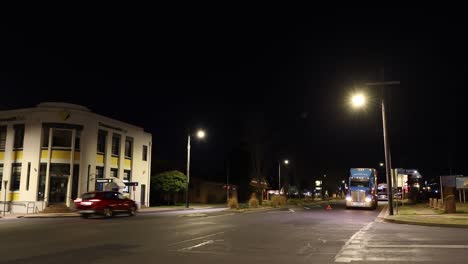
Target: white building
[{"x": 53, "y": 153}]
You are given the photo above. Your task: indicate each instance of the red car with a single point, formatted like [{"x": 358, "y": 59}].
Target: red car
[{"x": 107, "y": 203}]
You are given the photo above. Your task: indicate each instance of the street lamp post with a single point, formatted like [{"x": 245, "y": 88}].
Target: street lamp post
[
  {"x": 358, "y": 101},
  {"x": 388, "y": 166},
  {"x": 286, "y": 162},
  {"x": 200, "y": 134}
]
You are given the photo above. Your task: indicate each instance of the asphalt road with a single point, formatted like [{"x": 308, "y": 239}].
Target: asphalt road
[{"x": 300, "y": 235}]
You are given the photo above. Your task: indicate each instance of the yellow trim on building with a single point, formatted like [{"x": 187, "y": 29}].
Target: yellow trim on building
[
  {"x": 128, "y": 164},
  {"x": 2, "y": 155},
  {"x": 14, "y": 196},
  {"x": 115, "y": 161},
  {"x": 60, "y": 154},
  {"x": 17, "y": 155},
  {"x": 100, "y": 158},
  {"x": 56, "y": 154},
  {"x": 77, "y": 155}
]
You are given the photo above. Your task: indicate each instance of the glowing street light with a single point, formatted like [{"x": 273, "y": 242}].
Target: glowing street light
[
  {"x": 201, "y": 135},
  {"x": 358, "y": 100}
]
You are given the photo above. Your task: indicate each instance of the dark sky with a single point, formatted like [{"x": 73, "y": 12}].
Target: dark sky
[{"x": 167, "y": 69}]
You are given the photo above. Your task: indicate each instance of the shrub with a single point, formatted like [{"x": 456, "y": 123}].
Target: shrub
[
  {"x": 278, "y": 201},
  {"x": 253, "y": 201},
  {"x": 266, "y": 203},
  {"x": 233, "y": 204}
]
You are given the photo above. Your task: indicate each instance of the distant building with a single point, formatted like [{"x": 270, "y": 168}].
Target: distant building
[
  {"x": 53, "y": 153},
  {"x": 204, "y": 192}
]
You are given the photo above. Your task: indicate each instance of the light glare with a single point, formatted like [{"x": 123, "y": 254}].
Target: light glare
[{"x": 358, "y": 100}]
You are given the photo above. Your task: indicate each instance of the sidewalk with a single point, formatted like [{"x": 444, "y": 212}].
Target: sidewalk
[
  {"x": 422, "y": 214},
  {"x": 154, "y": 209}
]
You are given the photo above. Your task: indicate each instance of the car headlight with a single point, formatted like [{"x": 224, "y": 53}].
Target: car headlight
[
  {"x": 368, "y": 199},
  {"x": 349, "y": 199}
]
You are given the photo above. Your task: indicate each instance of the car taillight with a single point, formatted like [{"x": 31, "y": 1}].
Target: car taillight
[{"x": 90, "y": 202}]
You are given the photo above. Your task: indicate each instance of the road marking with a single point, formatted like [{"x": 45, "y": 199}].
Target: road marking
[
  {"x": 197, "y": 238},
  {"x": 307, "y": 208},
  {"x": 197, "y": 245},
  {"x": 418, "y": 246},
  {"x": 340, "y": 256},
  {"x": 292, "y": 210}
]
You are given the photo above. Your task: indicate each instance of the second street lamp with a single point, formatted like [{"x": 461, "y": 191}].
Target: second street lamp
[
  {"x": 286, "y": 162},
  {"x": 200, "y": 134}
]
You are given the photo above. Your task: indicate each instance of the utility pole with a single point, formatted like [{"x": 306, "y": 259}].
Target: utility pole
[{"x": 388, "y": 165}]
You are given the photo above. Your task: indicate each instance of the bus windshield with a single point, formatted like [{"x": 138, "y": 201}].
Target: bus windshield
[{"x": 359, "y": 183}]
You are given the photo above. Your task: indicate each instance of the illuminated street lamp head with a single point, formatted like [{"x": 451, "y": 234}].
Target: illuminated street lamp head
[
  {"x": 358, "y": 100},
  {"x": 286, "y": 162},
  {"x": 381, "y": 164},
  {"x": 201, "y": 134}
]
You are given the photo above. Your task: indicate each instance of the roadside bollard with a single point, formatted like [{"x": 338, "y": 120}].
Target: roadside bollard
[
  {"x": 435, "y": 204},
  {"x": 430, "y": 202},
  {"x": 440, "y": 204}
]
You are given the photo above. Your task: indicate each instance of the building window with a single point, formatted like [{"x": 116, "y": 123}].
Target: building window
[
  {"x": 45, "y": 137},
  {"x": 101, "y": 142},
  {"x": 99, "y": 172},
  {"x": 42, "y": 180},
  {"x": 145, "y": 153},
  {"x": 114, "y": 172},
  {"x": 75, "y": 181},
  {"x": 15, "y": 177},
  {"x": 127, "y": 178},
  {"x": 128, "y": 147},
  {"x": 3, "y": 132},
  {"x": 115, "y": 144},
  {"x": 1, "y": 176},
  {"x": 99, "y": 175},
  {"x": 61, "y": 138},
  {"x": 77, "y": 140},
  {"x": 19, "y": 136}
]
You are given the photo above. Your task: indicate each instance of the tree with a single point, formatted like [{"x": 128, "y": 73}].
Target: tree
[{"x": 169, "y": 183}]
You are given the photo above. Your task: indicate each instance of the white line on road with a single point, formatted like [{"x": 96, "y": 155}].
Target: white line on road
[
  {"x": 292, "y": 210},
  {"x": 197, "y": 238},
  {"x": 197, "y": 245},
  {"x": 339, "y": 257},
  {"x": 307, "y": 208}
]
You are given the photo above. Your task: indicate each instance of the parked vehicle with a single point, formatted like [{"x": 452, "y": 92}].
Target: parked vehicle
[
  {"x": 382, "y": 192},
  {"x": 106, "y": 203}
]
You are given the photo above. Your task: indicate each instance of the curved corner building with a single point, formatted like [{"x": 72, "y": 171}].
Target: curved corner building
[{"x": 51, "y": 154}]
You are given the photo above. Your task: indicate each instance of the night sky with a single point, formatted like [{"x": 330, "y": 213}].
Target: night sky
[{"x": 284, "y": 75}]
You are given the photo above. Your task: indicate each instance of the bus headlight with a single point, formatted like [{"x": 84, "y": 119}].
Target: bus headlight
[
  {"x": 349, "y": 199},
  {"x": 368, "y": 199}
]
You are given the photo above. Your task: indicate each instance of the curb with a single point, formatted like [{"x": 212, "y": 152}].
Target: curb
[
  {"x": 78, "y": 215},
  {"x": 384, "y": 214},
  {"x": 423, "y": 224}
]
